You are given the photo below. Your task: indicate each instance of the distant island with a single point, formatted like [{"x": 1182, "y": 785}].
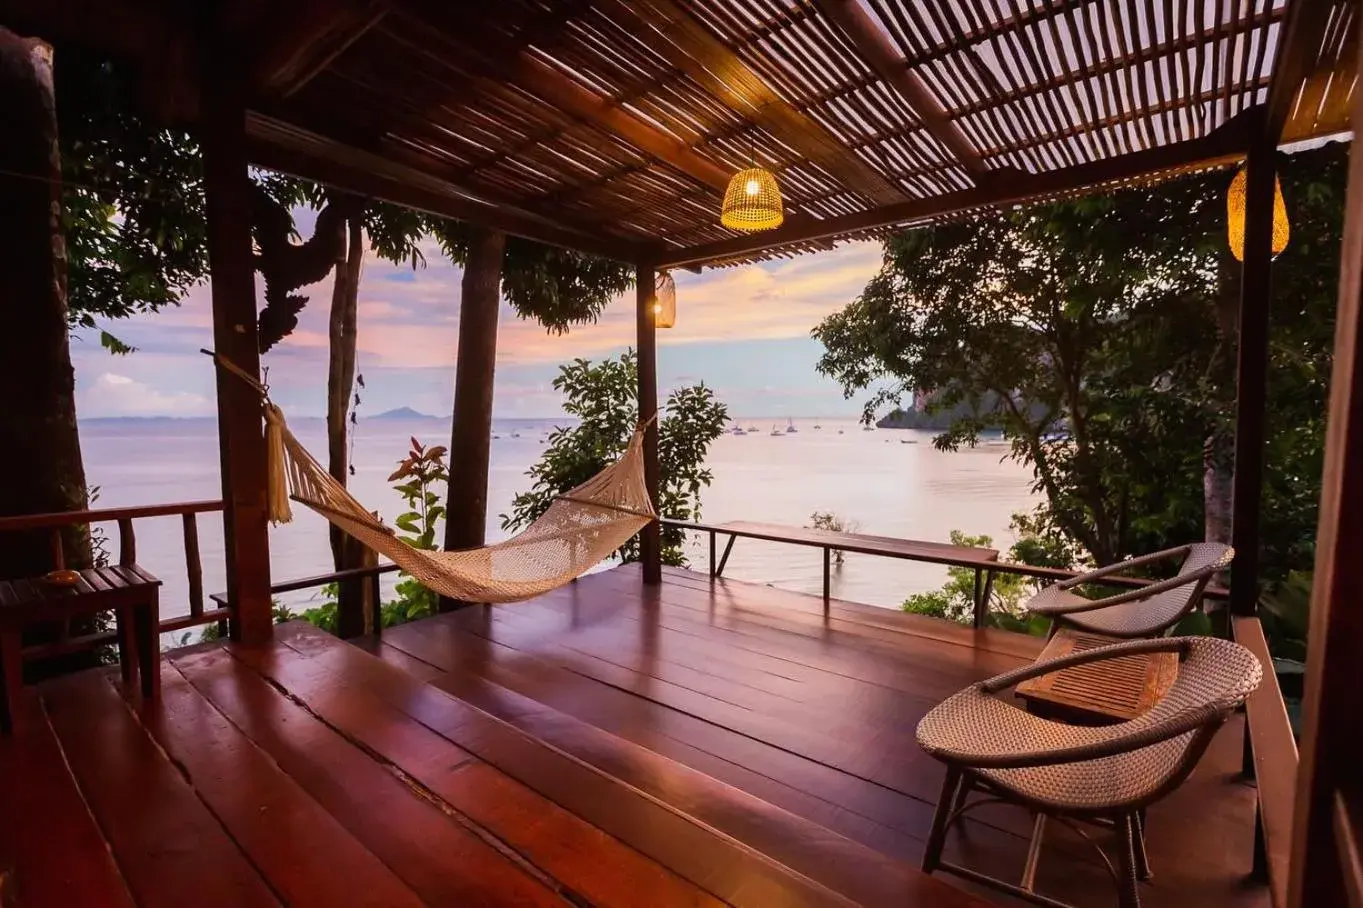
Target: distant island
[
  {"x": 402, "y": 413},
  {"x": 922, "y": 415}
]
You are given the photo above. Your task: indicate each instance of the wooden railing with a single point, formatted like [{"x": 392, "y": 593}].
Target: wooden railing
[
  {"x": 188, "y": 511},
  {"x": 347, "y": 625},
  {"x": 1271, "y": 761}
]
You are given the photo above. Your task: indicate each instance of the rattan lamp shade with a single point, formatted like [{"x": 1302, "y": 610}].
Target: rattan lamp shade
[
  {"x": 1235, "y": 216},
  {"x": 752, "y": 201},
  {"x": 664, "y": 301}
]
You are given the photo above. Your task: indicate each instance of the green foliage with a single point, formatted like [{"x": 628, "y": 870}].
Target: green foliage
[
  {"x": 603, "y": 396},
  {"x": 417, "y": 478},
  {"x": 132, "y": 196},
  {"x": 1286, "y": 610},
  {"x": 955, "y": 601},
  {"x": 833, "y": 523},
  {"x": 1098, "y": 334}
]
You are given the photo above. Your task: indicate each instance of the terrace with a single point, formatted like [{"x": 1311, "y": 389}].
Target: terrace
[{"x": 647, "y": 735}]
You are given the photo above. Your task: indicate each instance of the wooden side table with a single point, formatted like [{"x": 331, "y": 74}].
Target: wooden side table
[
  {"x": 129, "y": 591},
  {"x": 1103, "y": 693}
]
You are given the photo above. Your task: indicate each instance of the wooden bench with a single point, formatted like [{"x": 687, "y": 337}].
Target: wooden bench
[
  {"x": 981, "y": 560},
  {"x": 129, "y": 591}
]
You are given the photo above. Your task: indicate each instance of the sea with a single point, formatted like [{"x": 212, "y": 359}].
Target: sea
[{"x": 888, "y": 482}]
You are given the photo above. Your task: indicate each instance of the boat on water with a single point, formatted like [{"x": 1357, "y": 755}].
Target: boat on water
[
  {"x": 908, "y": 441},
  {"x": 840, "y": 431},
  {"x": 776, "y": 431},
  {"x": 817, "y": 426},
  {"x": 753, "y": 430},
  {"x": 790, "y": 427},
  {"x": 738, "y": 430},
  {"x": 868, "y": 428}
]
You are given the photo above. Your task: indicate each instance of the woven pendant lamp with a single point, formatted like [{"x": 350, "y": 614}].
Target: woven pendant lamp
[
  {"x": 752, "y": 201},
  {"x": 664, "y": 301},
  {"x": 1235, "y": 216}
]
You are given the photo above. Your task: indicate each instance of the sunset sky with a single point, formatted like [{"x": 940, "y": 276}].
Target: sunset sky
[{"x": 744, "y": 331}]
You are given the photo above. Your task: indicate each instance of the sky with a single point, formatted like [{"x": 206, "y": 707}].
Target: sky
[{"x": 744, "y": 331}]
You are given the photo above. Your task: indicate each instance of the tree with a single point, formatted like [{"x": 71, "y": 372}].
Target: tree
[
  {"x": 556, "y": 287},
  {"x": 1099, "y": 335},
  {"x": 602, "y": 397},
  {"x": 39, "y": 445}
]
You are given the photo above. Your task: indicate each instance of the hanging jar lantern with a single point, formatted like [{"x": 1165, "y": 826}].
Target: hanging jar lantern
[
  {"x": 752, "y": 201},
  {"x": 1235, "y": 215},
  {"x": 664, "y": 300}
]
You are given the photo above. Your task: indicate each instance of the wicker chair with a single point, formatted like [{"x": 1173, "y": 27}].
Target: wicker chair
[
  {"x": 1106, "y": 774},
  {"x": 1146, "y": 612}
]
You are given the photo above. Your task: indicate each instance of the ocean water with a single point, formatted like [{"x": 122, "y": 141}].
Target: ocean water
[{"x": 886, "y": 482}]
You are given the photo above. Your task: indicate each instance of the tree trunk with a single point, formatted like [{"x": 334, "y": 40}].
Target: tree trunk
[
  {"x": 1218, "y": 449},
  {"x": 471, "y": 434},
  {"x": 346, "y": 552},
  {"x": 40, "y": 460}
]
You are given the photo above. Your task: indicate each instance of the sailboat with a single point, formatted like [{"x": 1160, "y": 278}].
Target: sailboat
[
  {"x": 753, "y": 430},
  {"x": 790, "y": 427},
  {"x": 738, "y": 430},
  {"x": 775, "y": 431}
]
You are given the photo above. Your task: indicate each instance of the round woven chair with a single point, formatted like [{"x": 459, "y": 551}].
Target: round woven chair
[
  {"x": 1145, "y": 612},
  {"x": 1105, "y": 774}
]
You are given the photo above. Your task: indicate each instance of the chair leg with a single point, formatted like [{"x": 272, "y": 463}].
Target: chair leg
[
  {"x": 946, "y": 803},
  {"x": 1128, "y": 895},
  {"x": 1138, "y": 846}
]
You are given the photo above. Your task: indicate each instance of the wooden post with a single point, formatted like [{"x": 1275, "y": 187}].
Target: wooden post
[
  {"x": 650, "y": 537},
  {"x": 241, "y": 437},
  {"x": 1325, "y": 822},
  {"x": 1251, "y": 379}
]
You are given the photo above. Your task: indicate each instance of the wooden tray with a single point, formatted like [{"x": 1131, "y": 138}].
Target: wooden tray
[{"x": 1114, "y": 690}]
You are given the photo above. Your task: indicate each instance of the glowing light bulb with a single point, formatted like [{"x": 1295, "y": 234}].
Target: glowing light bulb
[
  {"x": 657, "y": 308},
  {"x": 753, "y": 187}
]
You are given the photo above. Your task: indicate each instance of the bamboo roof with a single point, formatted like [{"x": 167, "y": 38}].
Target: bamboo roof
[{"x": 613, "y": 126}]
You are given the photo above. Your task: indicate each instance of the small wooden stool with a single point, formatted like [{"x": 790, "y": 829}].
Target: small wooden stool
[
  {"x": 1102, "y": 693},
  {"x": 130, "y": 592}
]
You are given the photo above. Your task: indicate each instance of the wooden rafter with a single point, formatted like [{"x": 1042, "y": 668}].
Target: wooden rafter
[
  {"x": 277, "y": 146},
  {"x": 1228, "y": 143},
  {"x": 310, "y": 35},
  {"x": 875, "y": 47},
  {"x": 1299, "y": 45},
  {"x": 691, "y": 48}
]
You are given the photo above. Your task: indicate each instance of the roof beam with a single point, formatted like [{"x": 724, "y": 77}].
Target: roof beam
[
  {"x": 686, "y": 44},
  {"x": 1299, "y": 45},
  {"x": 874, "y": 45},
  {"x": 1225, "y": 144},
  {"x": 312, "y": 35},
  {"x": 287, "y": 149}
]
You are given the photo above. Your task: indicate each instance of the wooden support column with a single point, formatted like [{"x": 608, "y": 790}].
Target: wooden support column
[
  {"x": 241, "y": 437},
  {"x": 650, "y": 537},
  {"x": 1251, "y": 379},
  {"x": 1329, "y": 801}
]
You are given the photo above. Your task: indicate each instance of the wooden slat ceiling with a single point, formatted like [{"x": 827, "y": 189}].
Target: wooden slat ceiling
[{"x": 613, "y": 125}]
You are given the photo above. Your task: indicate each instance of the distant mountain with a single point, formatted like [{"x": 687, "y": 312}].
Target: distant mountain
[{"x": 402, "y": 413}]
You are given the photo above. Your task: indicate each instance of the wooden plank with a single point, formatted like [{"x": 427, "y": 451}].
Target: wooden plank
[
  {"x": 650, "y": 537},
  {"x": 308, "y": 857},
  {"x": 1295, "y": 60},
  {"x": 166, "y": 841},
  {"x": 735, "y": 874},
  {"x": 439, "y": 860},
  {"x": 829, "y": 859},
  {"x": 1275, "y": 757},
  {"x": 1226, "y": 144},
  {"x": 241, "y": 440},
  {"x": 593, "y": 866},
  {"x": 105, "y": 515},
  {"x": 307, "y": 37},
  {"x": 1332, "y": 724},
  {"x": 52, "y": 853},
  {"x": 888, "y": 546}
]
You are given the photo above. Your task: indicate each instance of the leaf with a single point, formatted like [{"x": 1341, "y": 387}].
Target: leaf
[
  {"x": 408, "y": 522},
  {"x": 114, "y": 345}
]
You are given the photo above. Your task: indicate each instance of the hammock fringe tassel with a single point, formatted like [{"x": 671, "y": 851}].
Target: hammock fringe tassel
[{"x": 579, "y": 530}]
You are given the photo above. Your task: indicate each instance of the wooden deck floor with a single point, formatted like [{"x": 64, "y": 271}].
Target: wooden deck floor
[{"x": 692, "y": 745}]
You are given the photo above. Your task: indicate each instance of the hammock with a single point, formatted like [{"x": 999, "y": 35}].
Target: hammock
[{"x": 579, "y": 530}]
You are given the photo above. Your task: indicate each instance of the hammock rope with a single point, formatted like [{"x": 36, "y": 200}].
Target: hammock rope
[{"x": 580, "y": 529}]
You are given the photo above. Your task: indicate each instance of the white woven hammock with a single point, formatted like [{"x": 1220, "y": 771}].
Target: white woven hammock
[{"x": 579, "y": 530}]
